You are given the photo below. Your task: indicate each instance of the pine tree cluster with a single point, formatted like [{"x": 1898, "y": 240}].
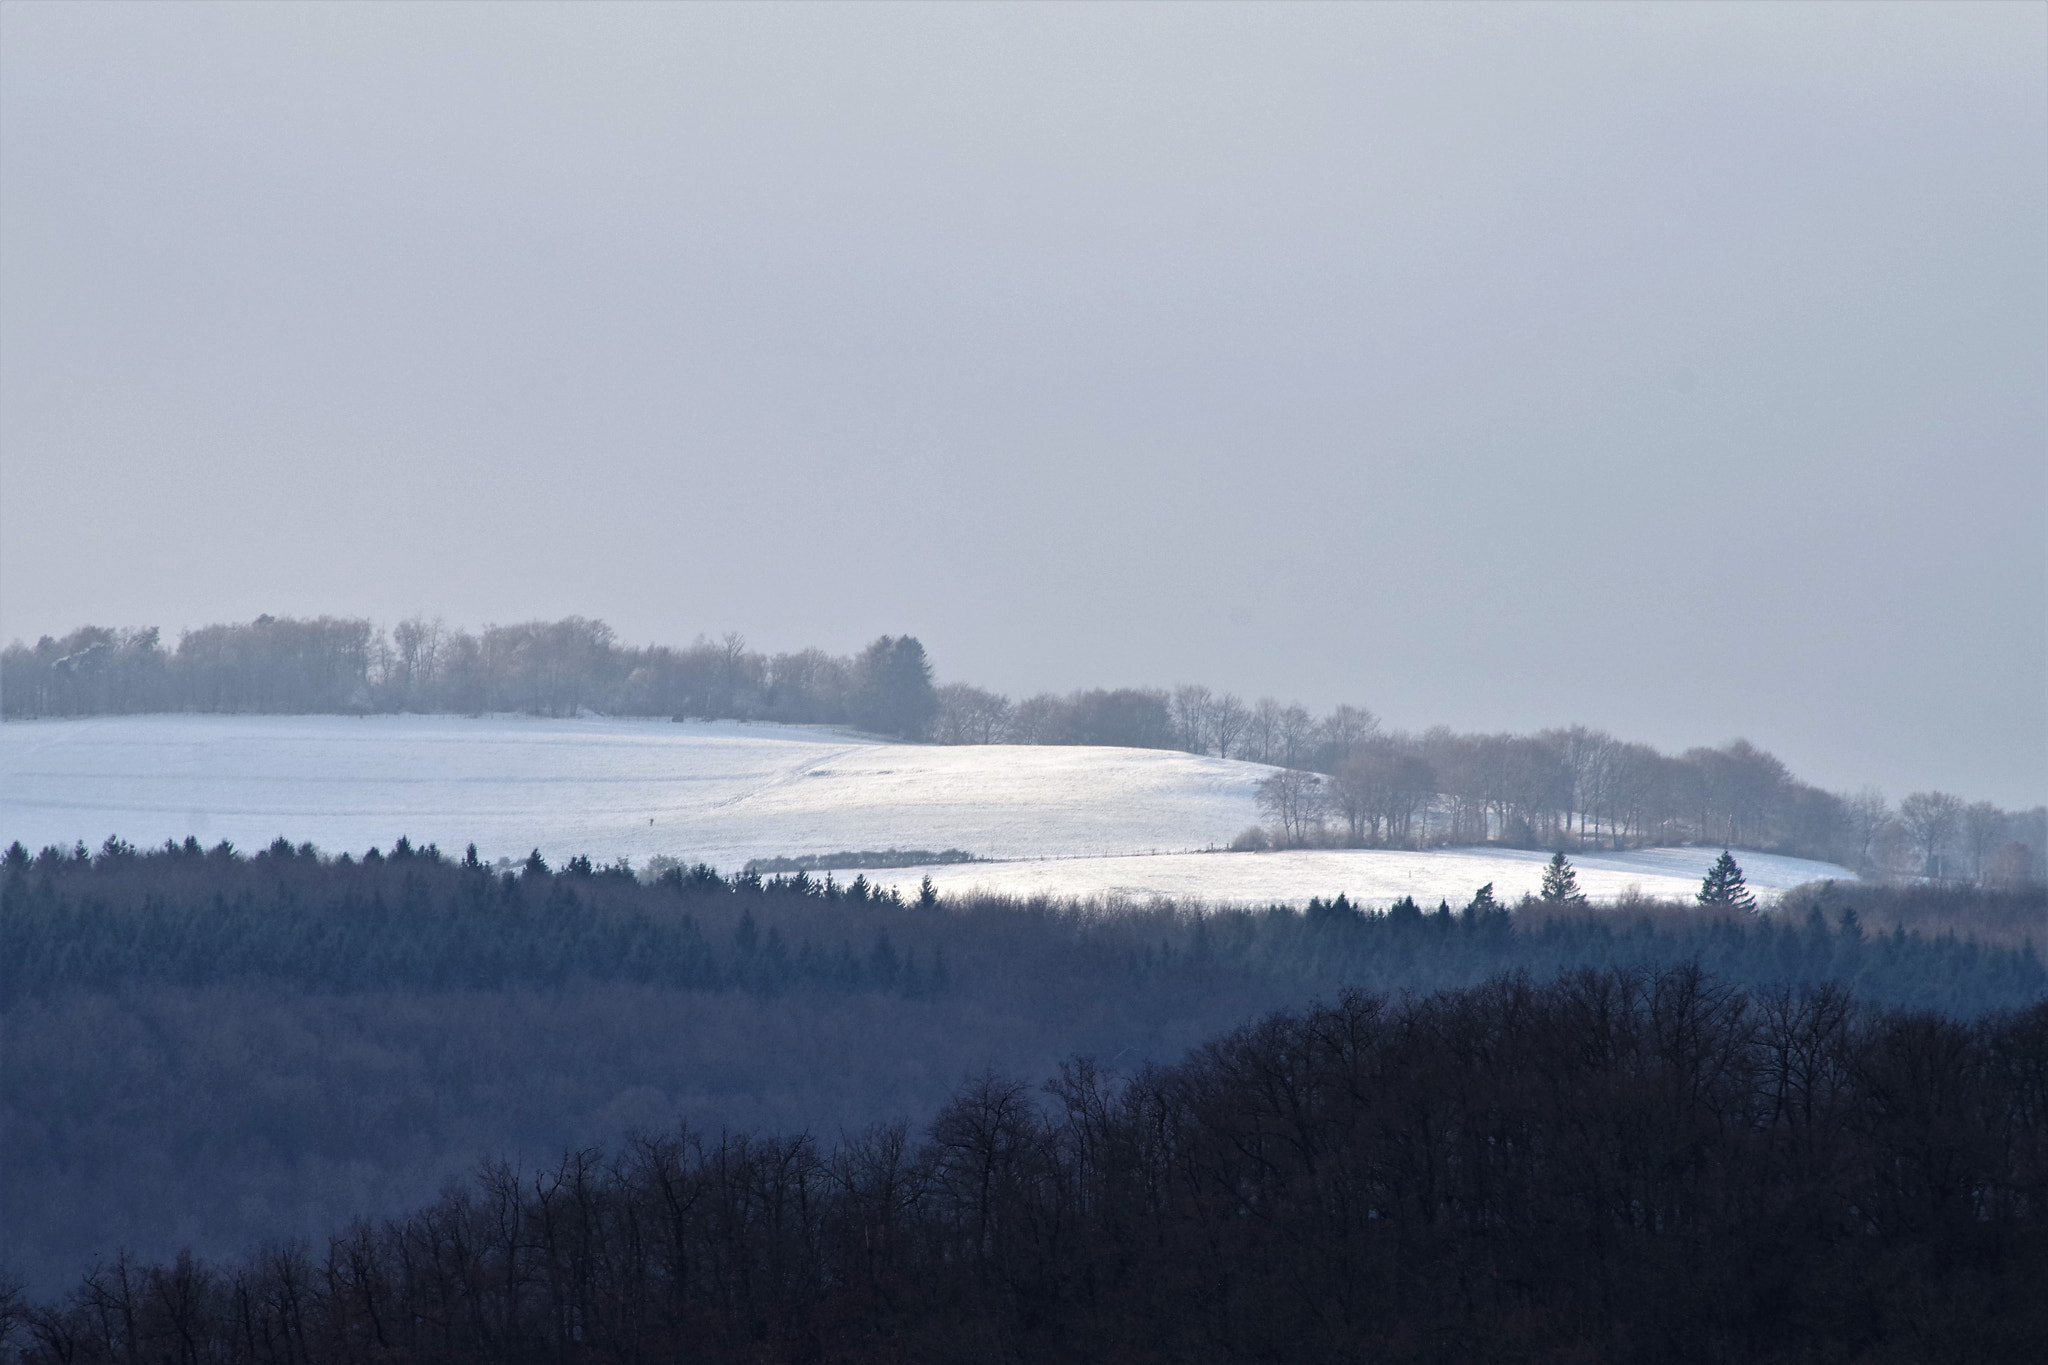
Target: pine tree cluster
[{"x": 188, "y": 916}]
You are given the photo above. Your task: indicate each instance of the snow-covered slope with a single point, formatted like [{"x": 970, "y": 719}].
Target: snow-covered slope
[
  {"x": 1373, "y": 876},
  {"x": 725, "y": 792},
  {"x": 720, "y": 791}
]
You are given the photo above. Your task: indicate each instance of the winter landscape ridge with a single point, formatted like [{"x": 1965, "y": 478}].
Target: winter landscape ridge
[{"x": 1058, "y": 821}]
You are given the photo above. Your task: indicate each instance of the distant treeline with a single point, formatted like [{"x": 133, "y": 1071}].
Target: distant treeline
[
  {"x": 1365, "y": 787},
  {"x": 280, "y": 665},
  {"x": 1616, "y": 1166}
]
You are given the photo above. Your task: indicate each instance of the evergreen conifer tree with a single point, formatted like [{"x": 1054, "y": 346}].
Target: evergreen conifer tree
[
  {"x": 1339, "y": 910},
  {"x": 1482, "y": 904},
  {"x": 1484, "y": 912},
  {"x": 893, "y": 691},
  {"x": 1724, "y": 885},
  {"x": 1560, "y": 883}
]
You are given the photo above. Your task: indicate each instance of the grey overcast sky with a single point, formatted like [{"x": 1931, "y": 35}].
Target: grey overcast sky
[{"x": 1674, "y": 369}]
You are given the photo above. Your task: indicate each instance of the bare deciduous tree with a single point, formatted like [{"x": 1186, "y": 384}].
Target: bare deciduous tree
[
  {"x": 1379, "y": 789},
  {"x": 1343, "y": 732},
  {"x": 1983, "y": 832},
  {"x": 1036, "y": 720},
  {"x": 1296, "y": 800},
  {"x": 416, "y": 657},
  {"x": 1931, "y": 820},
  {"x": 1867, "y": 813},
  {"x": 1262, "y": 731},
  {"x": 1588, "y": 757},
  {"x": 1193, "y": 718},
  {"x": 1295, "y": 734},
  {"x": 970, "y": 715},
  {"x": 1227, "y": 721}
]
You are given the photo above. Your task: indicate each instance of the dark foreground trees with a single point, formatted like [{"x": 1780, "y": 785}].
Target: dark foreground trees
[
  {"x": 203, "y": 1048},
  {"x": 1616, "y": 1166}
]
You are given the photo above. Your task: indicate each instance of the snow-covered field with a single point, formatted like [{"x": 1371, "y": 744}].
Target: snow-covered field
[
  {"x": 1375, "y": 877},
  {"x": 719, "y": 791},
  {"x": 1069, "y": 819}
]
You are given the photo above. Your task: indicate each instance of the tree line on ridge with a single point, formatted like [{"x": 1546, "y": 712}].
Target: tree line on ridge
[{"x": 1356, "y": 785}]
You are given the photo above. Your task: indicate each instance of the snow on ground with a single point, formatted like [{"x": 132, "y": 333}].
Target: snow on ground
[
  {"x": 726, "y": 791},
  {"x": 722, "y": 792},
  {"x": 1376, "y": 877}
]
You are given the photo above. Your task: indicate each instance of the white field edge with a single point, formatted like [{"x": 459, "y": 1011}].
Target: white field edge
[
  {"x": 1371, "y": 877},
  {"x": 1096, "y": 823}
]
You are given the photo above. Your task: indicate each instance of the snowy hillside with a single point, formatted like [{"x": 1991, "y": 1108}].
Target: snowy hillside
[
  {"x": 1372, "y": 876},
  {"x": 720, "y": 791},
  {"x": 724, "y": 792}
]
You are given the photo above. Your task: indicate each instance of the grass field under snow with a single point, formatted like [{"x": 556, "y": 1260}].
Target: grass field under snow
[{"x": 1066, "y": 820}]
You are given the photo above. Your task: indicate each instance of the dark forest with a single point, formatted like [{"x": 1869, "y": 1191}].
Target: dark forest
[
  {"x": 1619, "y": 1165},
  {"x": 220, "y": 1052}
]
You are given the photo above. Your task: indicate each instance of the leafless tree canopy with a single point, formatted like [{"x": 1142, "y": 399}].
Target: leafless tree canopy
[{"x": 1356, "y": 1180}]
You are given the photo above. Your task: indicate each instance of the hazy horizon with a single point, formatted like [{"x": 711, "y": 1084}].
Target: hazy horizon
[{"x": 1675, "y": 370}]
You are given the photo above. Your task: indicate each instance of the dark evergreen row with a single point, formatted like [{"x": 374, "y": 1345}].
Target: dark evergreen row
[
  {"x": 1614, "y": 1167},
  {"x": 188, "y": 917}
]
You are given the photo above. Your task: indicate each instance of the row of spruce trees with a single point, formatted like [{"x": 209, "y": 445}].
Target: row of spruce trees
[{"x": 190, "y": 916}]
